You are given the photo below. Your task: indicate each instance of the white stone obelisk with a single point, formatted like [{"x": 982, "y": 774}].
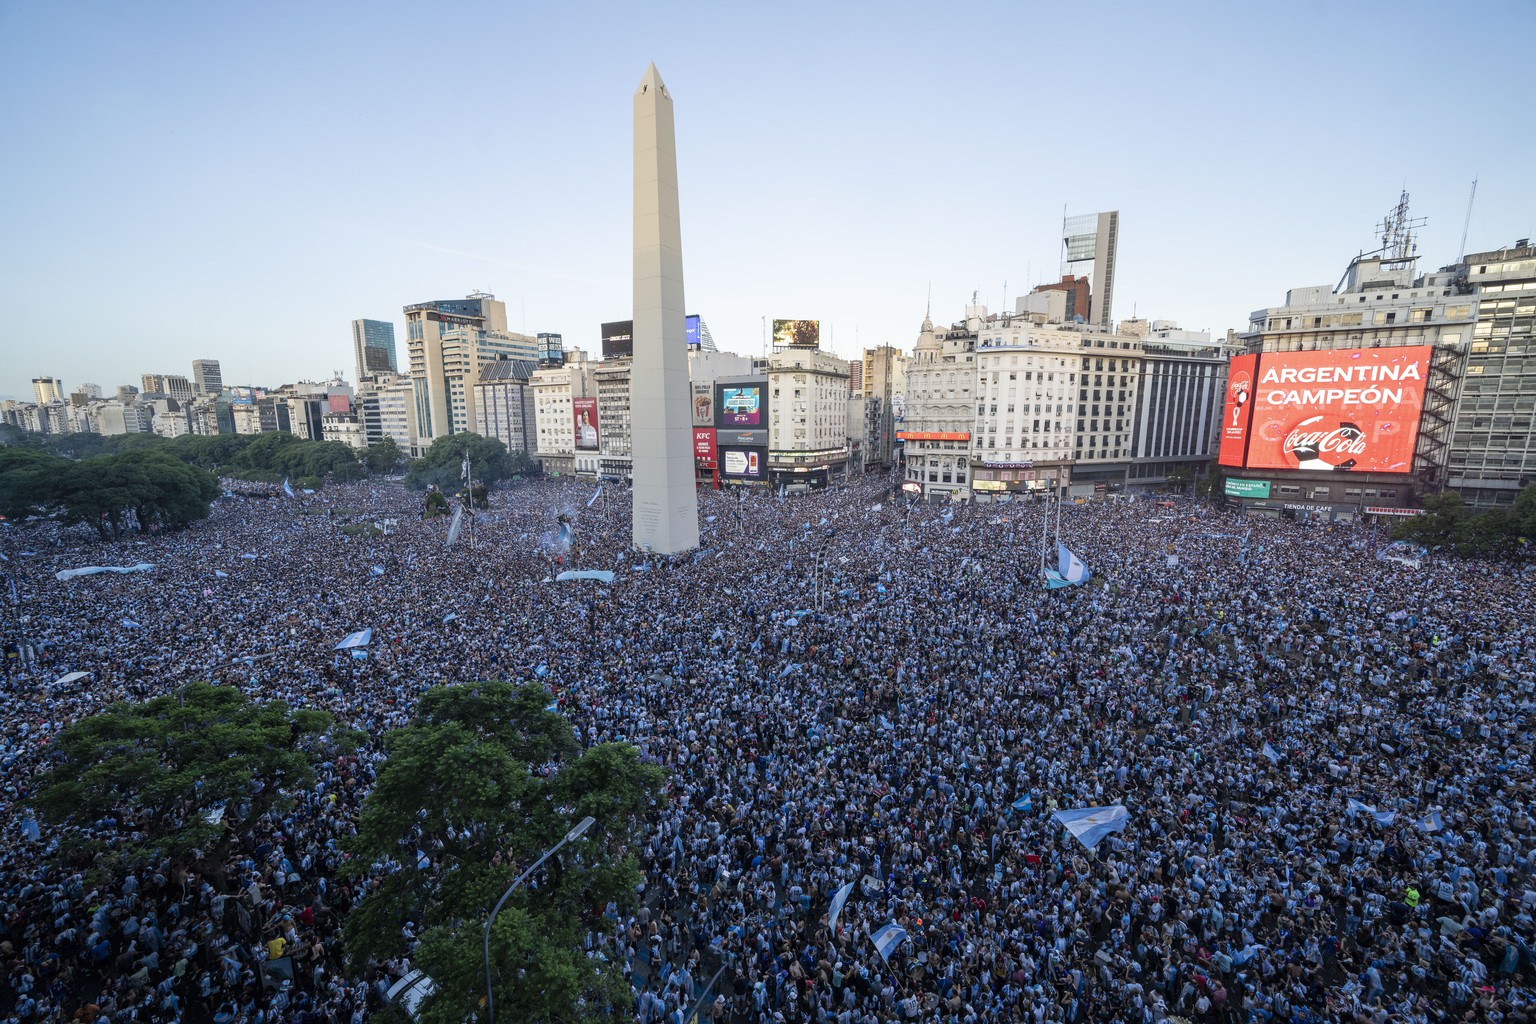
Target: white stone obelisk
[{"x": 666, "y": 510}]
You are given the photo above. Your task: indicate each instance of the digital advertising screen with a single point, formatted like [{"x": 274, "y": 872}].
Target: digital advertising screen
[
  {"x": 704, "y": 445},
  {"x": 1353, "y": 410},
  {"x": 744, "y": 463},
  {"x": 797, "y": 333},
  {"x": 618, "y": 339},
  {"x": 1238, "y": 413},
  {"x": 585, "y": 411},
  {"x": 741, "y": 404},
  {"x": 691, "y": 326}
]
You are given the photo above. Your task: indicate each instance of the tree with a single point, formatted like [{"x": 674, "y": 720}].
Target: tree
[
  {"x": 443, "y": 463},
  {"x": 27, "y": 479},
  {"x": 383, "y": 456},
  {"x": 467, "y": 783},
  {"x": 163, "y": 769},
  {"x": 1214, "y": 484}
]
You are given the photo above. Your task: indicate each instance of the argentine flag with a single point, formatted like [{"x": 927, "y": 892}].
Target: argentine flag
[
  {"x": 888, "y": 939},
  {"x": 1091, "y": 824},
  {"x": 1430, "y": 822},
  {"x": 1382, "y": 817},
  {"x": 286, "y": 488},
  {"x": 837, "y": 903},
  {"x": 1025, "y": 803},
  {"x": 1271, "y": 753},
  {"x": 1070, "y": 566}
]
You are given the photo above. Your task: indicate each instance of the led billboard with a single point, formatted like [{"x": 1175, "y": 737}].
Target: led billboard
[
  {"x": 740, "y": 405},
  {"x": 1353, "y": 409},
  {"x": 744, "y": 463},
  {"x": 585, "y": 411},
  {"x": 797, "y": 333},
  {"x": 1247, "y": 488},
  {"x": 1238, "y": 412},
  {"x": 691, "y": 327},
  {"x": 618, "y": 339}
]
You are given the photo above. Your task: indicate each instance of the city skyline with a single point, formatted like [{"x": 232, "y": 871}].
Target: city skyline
[{"x": 194, "y": 188}]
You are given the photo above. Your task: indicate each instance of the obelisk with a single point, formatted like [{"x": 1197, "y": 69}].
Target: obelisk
[{"x": 666, "y": 511}]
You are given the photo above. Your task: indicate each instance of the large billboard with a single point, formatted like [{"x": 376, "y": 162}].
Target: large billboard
[
  {"x": 744, "y": 463},
  {"x": 1247, "y": 488},
  {"x": 703, "y": 404},
  {"x": 741, "y": 405},
  {"x": 704, "y": 445},
  {"x": 691, "y": 328},
  {"x": 585, "y": 411},
  {"x": 1354, "y": 409},
  {"x": 797, "y": 333},
  {"x": 618, "y": 339},
  {"x": 1238, "y": 413}
]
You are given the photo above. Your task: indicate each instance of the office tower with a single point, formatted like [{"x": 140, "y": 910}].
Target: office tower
[
  {"x": 151, "y": 384},
  {"x": 373, "y": 348},
  {"x": 206, "y": 378},
  {"x": 666, "y": 512},
  {"x": 47, "y": 389},
  {"x": 1094, "y": 237},
  {"x": 448, "y": 340},
  {"x": 174, "y": 385}
]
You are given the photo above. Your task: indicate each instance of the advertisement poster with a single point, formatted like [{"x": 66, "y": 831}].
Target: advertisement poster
[
  {"x": 703, "y": 404},
  {"x": 796, "y": 333},
  {"x": 1247, "y": 488},
  {"x": 1238, "y": 412},
  {"x": 745, "y": 463},
  {"x": 691, "y": 327},
  {"x": 585, "y": 410},
  {"x": 741, "y": 405},
  {"x": 1352, "y": 410},
  {"x": 704, "y": 445},
  {"x": 618, "y": 339}
]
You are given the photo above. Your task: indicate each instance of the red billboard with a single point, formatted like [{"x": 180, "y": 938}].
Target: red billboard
[
  {"x": 1239, "y": 411},
  {"x": 1352, "y": 409},
  {"x": 704, "y": 446},
  {"x": 585, "y": 411}
]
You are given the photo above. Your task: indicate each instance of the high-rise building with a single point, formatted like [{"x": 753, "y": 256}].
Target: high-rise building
[
  {"x": 883, "y": 372},
  {"x": 173, "y": 385},
  {"x": 613, "y": 381},
  {"x": 151, "y": 384},
  {"x": 206, "y": 377},
  {"x": 1182, "y": 385},
  {"x": 1493, "y": 446},
  {"x": 47, "y": 389},
  {"x": 941, "y": 408},
  {"x": 665, "y": 507},
  {"x": 555, "y": 389},
  {"x": 504, "y": 406},
  {"x": 448, "y": 340},
  {"x": 373, "y": 348},
  {"x": 1095, "y": 238},
  {"x": 807, "y": 416}
]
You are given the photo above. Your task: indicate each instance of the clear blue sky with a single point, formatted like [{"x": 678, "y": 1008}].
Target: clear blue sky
[{"x": 239, "y": 181}]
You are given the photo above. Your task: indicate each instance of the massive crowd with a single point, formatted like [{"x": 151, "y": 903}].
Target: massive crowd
[{"x": 1326, "y": 758}]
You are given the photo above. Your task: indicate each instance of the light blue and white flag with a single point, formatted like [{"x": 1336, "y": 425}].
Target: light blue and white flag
[
  {"x": 377, "y": 570},
  {"x": 1360, "y": 807},
  {"x": 359, "y": 639},
  {"x": 595, "y": 495},
  {"x": 1430, "y": 822},
  {"x": 422, "y": 860},
  {"x": 287, "y": 488},
  {"x": 838, "y": 900},
  {"x": 455, "y": 526},
  {"x": 1091, "y": 824},
  {"x": 130, "y": 624},
  {"x": 553, "y": 705},
  {"x": 1271, "y": 753},
  {"x": 887, "y": 939},
  {"x": 30, "y": 830},
  {"x": 220, "y": 574},
  {"x": 1070, "y": 566},
  {"x": 1025, "y": 803}
]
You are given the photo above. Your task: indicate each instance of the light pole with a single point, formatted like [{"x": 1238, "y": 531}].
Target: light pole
[
  {"x": 575, "y": 833},
  {"x": 727, "y": 958}
]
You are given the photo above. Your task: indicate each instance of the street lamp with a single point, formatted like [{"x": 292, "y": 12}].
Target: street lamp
[{"x": 575, "y": 833}]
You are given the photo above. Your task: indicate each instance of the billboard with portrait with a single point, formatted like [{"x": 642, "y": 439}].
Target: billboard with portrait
[
  {"x": 585, "y": 412},
  {"x": 741, "y": 404},
  {"x": 796, "y": 333},
  {"x": 1238, "y": 412},
  {"x": 744, "y": 463},
  {"x": 1349, "y": 410}
]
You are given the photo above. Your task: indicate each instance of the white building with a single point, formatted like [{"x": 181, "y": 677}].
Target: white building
[
  {"x": 807, "y": 416},
  {"x": 554, "y": 388},
  {"x": 344, "y": 427},
  {"x": 941, "y": 409}
]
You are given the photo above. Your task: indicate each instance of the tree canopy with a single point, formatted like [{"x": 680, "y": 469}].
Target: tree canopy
[
  {"x": 173, "y": 770},
  {"x": 473, "y": 791},
  {"x": 443, "y": 464},
  {"x": 1449, "y": 523},
  {"x": 143, "y": 486}
]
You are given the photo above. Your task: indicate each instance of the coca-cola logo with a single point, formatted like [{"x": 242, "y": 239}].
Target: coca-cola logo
[{"x": 1343, "y": 440}]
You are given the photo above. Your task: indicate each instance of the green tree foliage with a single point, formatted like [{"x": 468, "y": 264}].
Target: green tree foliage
[
  {"x": 1214, "y": 483},
  {"x": 1450, "y": 525},
  {"x": 142, "y": 486},
  {"x": 443, "y": 463},
  {"x": 26, "y": 476},
  {"x": 162, "y": 769},
  {"x": 483, "y": 781},
  {"x": 383, "y": 456}
]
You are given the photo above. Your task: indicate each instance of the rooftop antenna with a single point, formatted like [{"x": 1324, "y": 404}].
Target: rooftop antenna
[
  {"x": 928, "y": 311},
  {"x": 1461, "y": 251},
  {"x": 1398, "y": 246}
]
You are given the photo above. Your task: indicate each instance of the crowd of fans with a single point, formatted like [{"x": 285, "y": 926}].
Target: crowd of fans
[{"x": 1325, "y": 757}]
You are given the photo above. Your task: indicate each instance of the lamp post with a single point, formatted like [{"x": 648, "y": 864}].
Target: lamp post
[
  {"x": 575, "y": 833},
  {"x": 727, "y": 959}
]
